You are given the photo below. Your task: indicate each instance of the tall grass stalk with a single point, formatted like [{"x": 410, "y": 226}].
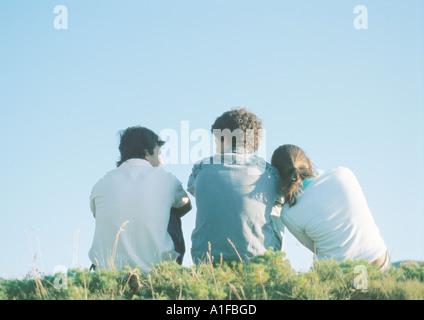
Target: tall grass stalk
[{"x": 112, "y": 258}]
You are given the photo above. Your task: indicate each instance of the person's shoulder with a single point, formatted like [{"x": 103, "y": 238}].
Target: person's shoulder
[
  {"x": 197, "y": 166},
  {"x": 273, "y": 170},
  {"x": 267, "y": 167},
  {"x": 165, "y": 174},
  {"x": 103, "y": 181},
  {"x": 340, "y": 172},
  {"x": 110, "y": 173},
  {"x": 342, "y": 176}
]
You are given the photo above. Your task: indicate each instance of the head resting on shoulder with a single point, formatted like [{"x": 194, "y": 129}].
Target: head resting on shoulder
[{"x": 294, "y": 166}]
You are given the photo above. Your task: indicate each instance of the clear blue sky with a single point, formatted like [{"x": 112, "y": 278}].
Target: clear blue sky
[{"x": 348, "y": 97}]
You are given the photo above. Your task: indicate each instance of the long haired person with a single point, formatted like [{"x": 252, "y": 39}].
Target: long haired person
[{"x": 327, "y": 211}]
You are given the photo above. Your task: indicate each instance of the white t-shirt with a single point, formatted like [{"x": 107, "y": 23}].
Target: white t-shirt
[
  {"x": 135, "y": 198},
  {"x": 332, "y": 219}
]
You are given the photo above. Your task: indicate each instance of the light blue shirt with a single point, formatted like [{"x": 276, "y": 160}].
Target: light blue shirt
[{"x": 238, "y": 213}]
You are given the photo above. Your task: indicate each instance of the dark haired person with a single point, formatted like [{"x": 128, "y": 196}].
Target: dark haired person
[
  {"x": 327, "y": 211},
  {"x": 235, "y": 194},
  {"x": 132, "y": 206}
]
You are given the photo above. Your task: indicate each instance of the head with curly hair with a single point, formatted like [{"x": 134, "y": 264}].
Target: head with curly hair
[{"x": 238, "y": 128}]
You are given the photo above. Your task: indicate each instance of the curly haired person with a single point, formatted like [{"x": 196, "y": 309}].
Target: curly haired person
[{"x": 236, "y": 193}]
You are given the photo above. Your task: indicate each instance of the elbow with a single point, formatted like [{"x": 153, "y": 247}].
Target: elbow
[{"x": 180, "y": 212}]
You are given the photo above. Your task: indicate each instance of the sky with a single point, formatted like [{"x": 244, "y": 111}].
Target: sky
[{"x": 349, "y": 92}]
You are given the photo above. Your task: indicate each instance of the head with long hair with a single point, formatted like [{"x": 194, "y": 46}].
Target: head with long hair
[
  {"x": 136, "y": 143},
  {"x": 294, "y": 166}
]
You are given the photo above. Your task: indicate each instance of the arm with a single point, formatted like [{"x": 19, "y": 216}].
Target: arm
[
  {"x": 93, "y": 195},
  {"x": 92, "y": 206},
  {"x": 305, "y": 240},
  {"x": 278, "y": 226},
  {"x": 182, "y": 203},
  {"x": 190, "y": 185},
  {"x": 180, "y": 212},
  {"x": 300, "y": 235}
]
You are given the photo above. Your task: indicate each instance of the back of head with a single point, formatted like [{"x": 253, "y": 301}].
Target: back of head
[
  {"x": 241, "y": 126},
  {"x": 136, "y": 142},
  {"x": 294, "y": 167}
]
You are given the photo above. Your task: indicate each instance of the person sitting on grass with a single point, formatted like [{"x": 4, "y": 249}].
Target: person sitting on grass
[
  {"x": 132, "y": 206},
  {"x": 327, "y": 211},
  {"x": 235, "y": 193}
]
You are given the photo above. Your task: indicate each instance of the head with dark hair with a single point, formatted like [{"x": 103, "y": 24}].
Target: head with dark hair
[
  {"x": 294, "y": 167},
  {"x": 137, "y": 142},
  {"x": 241, "y": 126}
]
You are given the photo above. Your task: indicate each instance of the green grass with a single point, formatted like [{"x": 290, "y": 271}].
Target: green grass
[{"x": 268, "y": 276}]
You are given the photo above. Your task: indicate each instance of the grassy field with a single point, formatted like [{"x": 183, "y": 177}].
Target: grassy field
[{"x": 267, "y": 277}]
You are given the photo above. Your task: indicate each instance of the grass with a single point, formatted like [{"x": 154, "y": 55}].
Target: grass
[{"x": 267, "y": 277}]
